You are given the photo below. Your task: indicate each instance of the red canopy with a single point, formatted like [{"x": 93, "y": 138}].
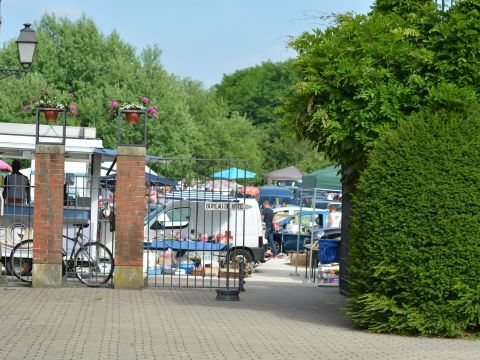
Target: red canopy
[
  {"x": 250, "y": 190},
  {"x": 5, "y": 166}
]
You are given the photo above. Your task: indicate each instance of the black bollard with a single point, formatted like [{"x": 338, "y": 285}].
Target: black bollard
[
  {"x": 227, "y": 294},
  {"x": 241, "y": 274}
]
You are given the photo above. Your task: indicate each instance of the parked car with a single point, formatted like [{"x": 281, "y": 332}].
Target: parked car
[
  {"x": 326, "y": 234},
  {"x": 298, "y": 228},
  {"x": 323, "y": 198}
]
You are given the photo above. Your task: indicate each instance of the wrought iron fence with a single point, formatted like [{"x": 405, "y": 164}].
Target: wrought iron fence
[
  {"x": 200, "y": 224},
  {"x": 82, "y": 228},
  {"x": 16, "y": 220}
]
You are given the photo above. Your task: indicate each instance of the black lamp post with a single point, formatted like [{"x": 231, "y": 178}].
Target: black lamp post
[{"x": 26, "y": 44}]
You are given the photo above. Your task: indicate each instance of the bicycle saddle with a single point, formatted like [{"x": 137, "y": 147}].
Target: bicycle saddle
[{"x": 81, "y": 225}]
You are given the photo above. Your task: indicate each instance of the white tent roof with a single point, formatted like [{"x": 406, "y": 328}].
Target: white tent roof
[
  {"x": 18, "y": 140},
  {"x": 288, "y": 173}
]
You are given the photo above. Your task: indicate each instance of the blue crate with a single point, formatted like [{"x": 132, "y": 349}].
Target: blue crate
[
  {"x": 164, "y": 270},
  {"x": 187, "y": 266},
  {"x": 329, "y": 251}
]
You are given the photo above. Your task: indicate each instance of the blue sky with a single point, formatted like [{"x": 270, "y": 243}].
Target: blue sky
[{"x": 199, "y": 39}]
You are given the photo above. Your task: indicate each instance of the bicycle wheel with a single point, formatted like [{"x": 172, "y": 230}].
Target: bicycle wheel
[
  {"x": 93, "y": 264},
  {"x": 21, "y": 261}
]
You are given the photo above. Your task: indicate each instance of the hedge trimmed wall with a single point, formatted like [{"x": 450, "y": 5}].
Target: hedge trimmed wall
[{"x": 415, "y": 245}]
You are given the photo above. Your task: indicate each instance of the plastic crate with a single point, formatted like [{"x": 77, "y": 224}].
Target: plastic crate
[{"x": 329, "y": 251}]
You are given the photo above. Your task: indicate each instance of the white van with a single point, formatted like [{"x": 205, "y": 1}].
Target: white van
[{"x": 209, "y": 217}]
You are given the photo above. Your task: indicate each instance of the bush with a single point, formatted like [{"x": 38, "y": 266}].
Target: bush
[{"x": 415, "y": 235}]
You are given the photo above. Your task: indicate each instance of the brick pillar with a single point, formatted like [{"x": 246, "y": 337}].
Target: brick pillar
[
  {"x": 48, "y": 216},
  {"x": 129, "y": 215}
]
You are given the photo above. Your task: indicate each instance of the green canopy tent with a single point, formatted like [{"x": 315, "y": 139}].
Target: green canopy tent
[{"x": 327, "y": 178}]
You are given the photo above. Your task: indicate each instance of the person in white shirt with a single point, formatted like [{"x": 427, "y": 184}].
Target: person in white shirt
[{"x": 334, "y": 217}]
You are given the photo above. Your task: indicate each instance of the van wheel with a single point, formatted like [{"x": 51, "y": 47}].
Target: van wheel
[{"x": 247, "y": 259}]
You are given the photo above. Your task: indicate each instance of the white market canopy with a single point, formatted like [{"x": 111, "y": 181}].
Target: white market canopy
[
  {"x": 17, "y": 141},
  {"x": 288, "y": 173}
]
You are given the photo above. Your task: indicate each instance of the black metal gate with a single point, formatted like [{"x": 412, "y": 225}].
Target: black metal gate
[{"x": 201, "y": 225}]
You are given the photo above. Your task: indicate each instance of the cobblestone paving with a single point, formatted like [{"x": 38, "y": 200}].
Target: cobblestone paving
[{"x": 278, "y": 317}]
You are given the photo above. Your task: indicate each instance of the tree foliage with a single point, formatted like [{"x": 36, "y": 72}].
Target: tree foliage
[
  {"x": 256, "y": 93},
  {"x": 401, "y": 6},
  {"x": 365, "y": 74},
  {"x": 75, "y": 56}
]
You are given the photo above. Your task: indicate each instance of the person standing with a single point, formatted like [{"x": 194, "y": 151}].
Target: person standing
[
  {"x": 17, "y": 186},
  {"x": 267, "y": 218},
  {"x": 334, "y": 217},
  {"x": 152, "y": 195}
]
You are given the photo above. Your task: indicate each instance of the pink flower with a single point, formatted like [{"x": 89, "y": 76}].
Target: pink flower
[
  {"x": 145, "y": 100},
  {"x": 73, "y": 109},
  {"x": 153, "y": 111},
  {"x": 26, "y": 107},
  {"x": 114, "y": 104}
]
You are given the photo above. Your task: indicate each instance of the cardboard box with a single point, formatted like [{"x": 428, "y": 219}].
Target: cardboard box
[
  {"x": 231, "y": 274},
  {"x": 211, "y": 271},
  {"x": 198, "y": 271},
  {"x": 298, "y": 259}
]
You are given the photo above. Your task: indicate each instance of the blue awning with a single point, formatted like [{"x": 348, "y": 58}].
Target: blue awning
[
  {"x": 234, "y": 173},
  {"x": 110, "y": 155}
]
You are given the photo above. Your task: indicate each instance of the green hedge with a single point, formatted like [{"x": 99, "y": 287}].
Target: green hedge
[{"x": 415, "y": 235}]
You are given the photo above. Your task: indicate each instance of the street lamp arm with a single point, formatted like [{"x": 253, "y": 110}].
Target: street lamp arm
[
  {"x": 26, "y": 44},
  {"x": 12, "y": 72}
]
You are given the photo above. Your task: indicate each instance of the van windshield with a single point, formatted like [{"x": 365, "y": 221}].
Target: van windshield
[{"x": 153, "y": 211}]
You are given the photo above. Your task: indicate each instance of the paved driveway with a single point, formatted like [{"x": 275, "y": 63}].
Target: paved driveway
[{"x": 278, "y": 317}]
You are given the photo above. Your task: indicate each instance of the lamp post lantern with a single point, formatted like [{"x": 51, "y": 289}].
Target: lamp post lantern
[{"x": 26, "y": 45}]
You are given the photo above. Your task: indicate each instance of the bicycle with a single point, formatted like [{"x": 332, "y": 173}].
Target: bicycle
[{"x": 92, "y": 263}]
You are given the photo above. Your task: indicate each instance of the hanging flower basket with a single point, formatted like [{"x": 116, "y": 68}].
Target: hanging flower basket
[
  {"x": 132, "y": 117},
  {"x": 133, "y": 109},
  {"x": 51, "y": 102},
  {"x": 51, "y": 115}
]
